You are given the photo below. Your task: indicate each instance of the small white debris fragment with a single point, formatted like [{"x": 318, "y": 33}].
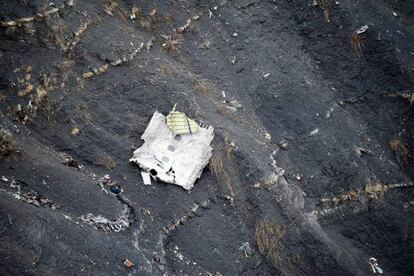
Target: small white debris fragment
[
  {"x": 373, "y": 265},
  {"x": 146, "y": 178},
  {"x": 394, "y": 13},
  {"x": 315, "y": 3},
  {"x": 223, "y": 94},
  {"x": 266, "y": 75},
  {"x": 362, "y": 29},
  {"x": 314, "y": 132},
  {"x": 268, "y": 136},
  {"x": 232, "y": 105},
  {"x": 210, "y": 14},
  {"x": 283, "y": 145},
  {"x": 329, "y": 112},
  {"x": 359, "y": 151},
  {"x": 5, "y": 179},
  {"x": 246, "y": 249}
]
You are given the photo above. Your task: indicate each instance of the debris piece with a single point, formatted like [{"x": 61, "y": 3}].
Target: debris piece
[
  {"x": 268, "y": 136},
  {"x": 30, "y": 197},
  {"x": 171, "y": 158},
  {"x": 180, "y": 124},
  {"x": 270, "y": 180},
  {"x": 134, "y": 12},
  {"x": 21, "y": 21},
  {"x": 266, "y": 75},
  {"x": 407, "y": 96},
  {"x": 115, "y": 189},
  {"x": 283, "y": 145},
  {"x": 373, "y": 265},
  {"x": 361, "y": 30},
  {"x": 106, "y": 225},
  {"x": 329, "y": 113},
  {"x": 128, "y": 263},
  {"x": 232, "y": 105},
  {"x": 245, "y": 247},
  {"x": 5, "y": 179},
  {"x": 314, "y": 132},
  {"x": 146, "y": 178},
  {"x": 75, "y": 131},
  {"x": 153, "y": 12},
  {"x": 70, "y": 162},
  {"x": 359, "y": 151}
]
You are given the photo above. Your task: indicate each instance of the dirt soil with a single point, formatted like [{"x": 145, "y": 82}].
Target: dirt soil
[{"x": 312, "y": 166}]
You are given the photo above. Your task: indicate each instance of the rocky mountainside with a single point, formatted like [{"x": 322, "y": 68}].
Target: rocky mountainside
[{"x": 312, "y": 165}]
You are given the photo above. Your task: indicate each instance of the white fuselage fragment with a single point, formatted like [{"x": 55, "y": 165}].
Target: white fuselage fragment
[{"x": 177, "y": 160}]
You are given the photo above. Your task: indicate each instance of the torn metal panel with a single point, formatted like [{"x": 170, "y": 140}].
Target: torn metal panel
[
  {"x": 174, "y": 159},
  {"x": 146, "y": 178}
]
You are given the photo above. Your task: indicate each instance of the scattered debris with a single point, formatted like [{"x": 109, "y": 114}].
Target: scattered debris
[
  {"x": 128, "y": 263},
  {"x": 270, "y": 180},
  {"x": 24, "y": 20},
  {"x": 30, "y": 197},
  {"x": 246, "y": 249},
  {"x": 125, "y": 59},
  {"x": 232, "y": 105},
  {"x": 106, "y": 182},
  {"x": 407, "y": 96},
  {"x": 70, "y": 162},
  {"x": 175, "y": 159},
  {"x": 77, "y": 35},
  {"x": 188, "y": 23},
  {"x": 106, "y": 225},
  {"x": 146, "y": 178},
  {"x": 373, "y": 265},
  {"x": 371, "y": 191},
  {"x": 266, "y": 75},
  {"x": 5, "y": 179},
  {"x": 359, "y": 151}
]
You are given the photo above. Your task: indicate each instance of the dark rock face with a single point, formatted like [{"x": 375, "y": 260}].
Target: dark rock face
[{"x": 313, "y": 147}]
